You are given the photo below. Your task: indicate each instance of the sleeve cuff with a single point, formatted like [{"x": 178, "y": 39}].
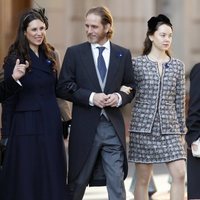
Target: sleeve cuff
[{"x": 91, "y": 102}]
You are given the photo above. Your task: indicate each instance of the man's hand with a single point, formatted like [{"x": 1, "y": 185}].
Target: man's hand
[
  {"x": 19, "y": 69},
  {"x": 112, "y": 100},
  {"x": 100, "y": 99}
]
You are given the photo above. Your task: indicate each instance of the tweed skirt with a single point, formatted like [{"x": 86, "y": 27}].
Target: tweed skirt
[{"x": 155, "y": 147}]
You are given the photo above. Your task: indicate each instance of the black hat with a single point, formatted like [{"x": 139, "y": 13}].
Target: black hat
[{"x": 153, "y": 21}]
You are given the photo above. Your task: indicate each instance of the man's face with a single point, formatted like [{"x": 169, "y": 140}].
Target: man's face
[{"x": 95, "y": 31}]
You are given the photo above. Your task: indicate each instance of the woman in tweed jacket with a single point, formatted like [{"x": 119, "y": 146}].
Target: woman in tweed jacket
[{"x": 158, "y": 121}]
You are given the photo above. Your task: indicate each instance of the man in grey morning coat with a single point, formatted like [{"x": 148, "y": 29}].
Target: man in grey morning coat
[{"x": 97, "y": 145}]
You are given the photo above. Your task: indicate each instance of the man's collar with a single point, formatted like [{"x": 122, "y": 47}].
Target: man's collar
[{"x": 106, "y": 45}]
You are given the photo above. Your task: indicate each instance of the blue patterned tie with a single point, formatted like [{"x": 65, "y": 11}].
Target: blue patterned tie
[{"x": 101, "y": 63}]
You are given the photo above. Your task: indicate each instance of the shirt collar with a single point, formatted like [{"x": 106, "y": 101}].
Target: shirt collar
[{"x": 106, "y": 45}]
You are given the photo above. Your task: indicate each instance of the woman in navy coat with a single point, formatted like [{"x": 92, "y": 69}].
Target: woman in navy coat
[{"x": 35, "y": 164}]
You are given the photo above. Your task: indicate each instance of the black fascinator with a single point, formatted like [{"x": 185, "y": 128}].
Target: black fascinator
[
  {"x": 36, "y": 14},
  {"x": 153, "y": 21},
  {"x": 41, "y": 12}
]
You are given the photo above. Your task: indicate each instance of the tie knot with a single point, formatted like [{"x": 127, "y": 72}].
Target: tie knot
[{"x": 101, "y": 49}]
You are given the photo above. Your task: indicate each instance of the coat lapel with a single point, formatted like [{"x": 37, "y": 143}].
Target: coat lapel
[
  {"x": 88, "y": 64},
  {"x": 41, "y": 63},
  {"x": 115, "y": 56}
]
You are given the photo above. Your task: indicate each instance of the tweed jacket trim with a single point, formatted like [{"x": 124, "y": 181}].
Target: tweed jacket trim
[{"x": 163, "y": 94}]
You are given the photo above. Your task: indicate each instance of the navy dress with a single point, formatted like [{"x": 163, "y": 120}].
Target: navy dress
[{"x": 35, "y": 163}]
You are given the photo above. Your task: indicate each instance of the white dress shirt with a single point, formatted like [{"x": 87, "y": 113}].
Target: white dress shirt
[{"x": 106, "y": 56}]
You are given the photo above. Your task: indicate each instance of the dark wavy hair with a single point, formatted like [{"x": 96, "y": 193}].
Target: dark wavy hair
[
  {"x": 20, "y": 47},
  {"x": 153, "y": 25},
  {"x": 106, "y": 18}
]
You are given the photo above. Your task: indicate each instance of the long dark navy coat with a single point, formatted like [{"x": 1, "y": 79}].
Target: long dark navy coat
[
  {"x": 34, "y": 167},
  {"x": 78, "y": 79}
]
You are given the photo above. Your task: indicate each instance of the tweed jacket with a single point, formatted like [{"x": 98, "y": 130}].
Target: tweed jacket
[{"x": 164, "y": 95}]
